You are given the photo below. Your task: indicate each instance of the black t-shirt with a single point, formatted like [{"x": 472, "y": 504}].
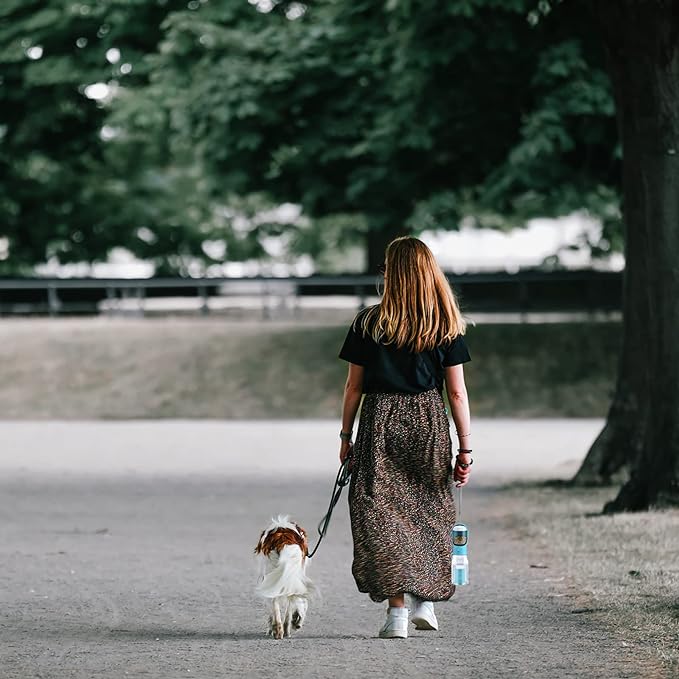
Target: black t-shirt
[{"x": 388, "y": 369}]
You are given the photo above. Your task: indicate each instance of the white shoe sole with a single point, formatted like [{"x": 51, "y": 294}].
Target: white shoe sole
[
  {"x": 424, "y": 623},
  {"x": 393, "y": 634}
]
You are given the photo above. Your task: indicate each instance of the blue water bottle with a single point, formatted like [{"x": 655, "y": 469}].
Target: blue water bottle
[{"x": 460, "y": 563}]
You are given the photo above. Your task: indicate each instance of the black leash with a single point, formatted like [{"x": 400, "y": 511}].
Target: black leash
[{"x": 343, "y": 476}]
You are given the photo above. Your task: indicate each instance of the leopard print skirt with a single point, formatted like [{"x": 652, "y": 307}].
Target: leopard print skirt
[{"x": 400, "y": 498}]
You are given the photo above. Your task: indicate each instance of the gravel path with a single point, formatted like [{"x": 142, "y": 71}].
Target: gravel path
[{"x": 150, "y": 575}]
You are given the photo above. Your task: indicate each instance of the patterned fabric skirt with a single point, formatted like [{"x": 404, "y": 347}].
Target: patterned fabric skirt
[{"x": 400, "y": 497}]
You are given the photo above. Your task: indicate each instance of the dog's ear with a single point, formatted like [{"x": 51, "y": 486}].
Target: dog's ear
[
  {"x": 258, "y": 548},
  {"x": 305, "y": 540}
]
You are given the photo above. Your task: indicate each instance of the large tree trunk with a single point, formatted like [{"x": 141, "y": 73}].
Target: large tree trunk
[
  {"x": 642, "y": 39},
  {"x": 619, "y": 444},
  {"x": 382, "y": 230}
]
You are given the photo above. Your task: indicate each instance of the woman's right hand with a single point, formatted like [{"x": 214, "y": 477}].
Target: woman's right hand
[{"x": 345, "y": 450}]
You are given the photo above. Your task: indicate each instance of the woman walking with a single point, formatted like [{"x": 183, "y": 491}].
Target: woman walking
[{"x": 401, "y": 354}]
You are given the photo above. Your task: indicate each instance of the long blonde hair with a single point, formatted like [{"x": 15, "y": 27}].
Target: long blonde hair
[{"x": 418, "y": 309}]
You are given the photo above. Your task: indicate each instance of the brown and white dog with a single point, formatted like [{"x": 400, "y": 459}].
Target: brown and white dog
[{"x": 282, "y": 554}]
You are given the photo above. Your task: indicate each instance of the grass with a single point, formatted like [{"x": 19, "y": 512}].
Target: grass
[
  {"x": 211, "y": 368},
  {"x": 551, "y": 370},
  {"x": 627, "y": 564}
]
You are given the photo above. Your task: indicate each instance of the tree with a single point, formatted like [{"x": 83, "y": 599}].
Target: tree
[
  {"x": 406, "y": 113},
  {"x": 400, "y": 124},
  {"x": 640, "y": 440},
  {"x": 318, "y": 106},
  {"x": 642, "y": 40},
  {"x": 63, "y": 195}
]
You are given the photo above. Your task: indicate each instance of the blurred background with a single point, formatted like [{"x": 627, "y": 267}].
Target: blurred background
[{"x": 195, "y": 198}]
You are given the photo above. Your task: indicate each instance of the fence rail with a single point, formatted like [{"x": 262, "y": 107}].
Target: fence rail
[{"x": 523, "y": 292}]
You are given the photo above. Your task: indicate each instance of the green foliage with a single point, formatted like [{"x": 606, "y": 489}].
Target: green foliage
[
  {"x": 373, "y": 116},
  {"x": 59, "y": 195},
  {"x": 409, "y": 114}
]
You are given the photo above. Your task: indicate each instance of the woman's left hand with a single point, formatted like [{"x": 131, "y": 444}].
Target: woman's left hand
[
  {"x": 461, "y": 474},
  {"x": 345, "y": 450}
]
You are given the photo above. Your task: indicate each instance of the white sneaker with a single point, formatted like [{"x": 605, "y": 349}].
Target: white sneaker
[
  {"x": 396, "y": 624},
  {"x": 423, "y": 615}
]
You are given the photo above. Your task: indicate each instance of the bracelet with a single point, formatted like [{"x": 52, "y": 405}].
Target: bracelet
[
  {"x": 464, "y": 465},
  {"x": 463, "y": 435},
  {"x": 346, "y": 435},
  {"x": 464, "y": 451}
]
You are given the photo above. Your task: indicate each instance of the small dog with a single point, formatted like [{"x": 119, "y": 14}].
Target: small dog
[{"x": 282, "y": 554}]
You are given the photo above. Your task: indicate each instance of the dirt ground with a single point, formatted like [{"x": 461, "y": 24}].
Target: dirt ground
[{"x": 108, "y": 569}]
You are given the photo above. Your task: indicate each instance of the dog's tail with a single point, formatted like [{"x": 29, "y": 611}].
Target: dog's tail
[{"x": 287, "y": 578}]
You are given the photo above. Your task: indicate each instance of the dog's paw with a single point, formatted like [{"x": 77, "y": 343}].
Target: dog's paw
[
  {"x": 275, "y": 629},
  {"x": 297, "y": 620}
]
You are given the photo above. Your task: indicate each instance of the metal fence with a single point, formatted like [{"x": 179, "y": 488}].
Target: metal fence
[{"x": 523, "y": 292}]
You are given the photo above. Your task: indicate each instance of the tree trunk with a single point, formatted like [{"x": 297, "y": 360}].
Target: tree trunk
[
  {"x": 381, "y": 231},
  {"x": 642, "y": 39},
  {"x": 619, "y": 444}
]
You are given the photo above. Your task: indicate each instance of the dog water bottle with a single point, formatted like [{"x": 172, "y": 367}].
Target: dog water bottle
[{"x": 460, "y": 563}]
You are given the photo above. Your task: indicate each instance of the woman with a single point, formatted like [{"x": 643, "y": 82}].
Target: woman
[{"x": 401, "y": 352}]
